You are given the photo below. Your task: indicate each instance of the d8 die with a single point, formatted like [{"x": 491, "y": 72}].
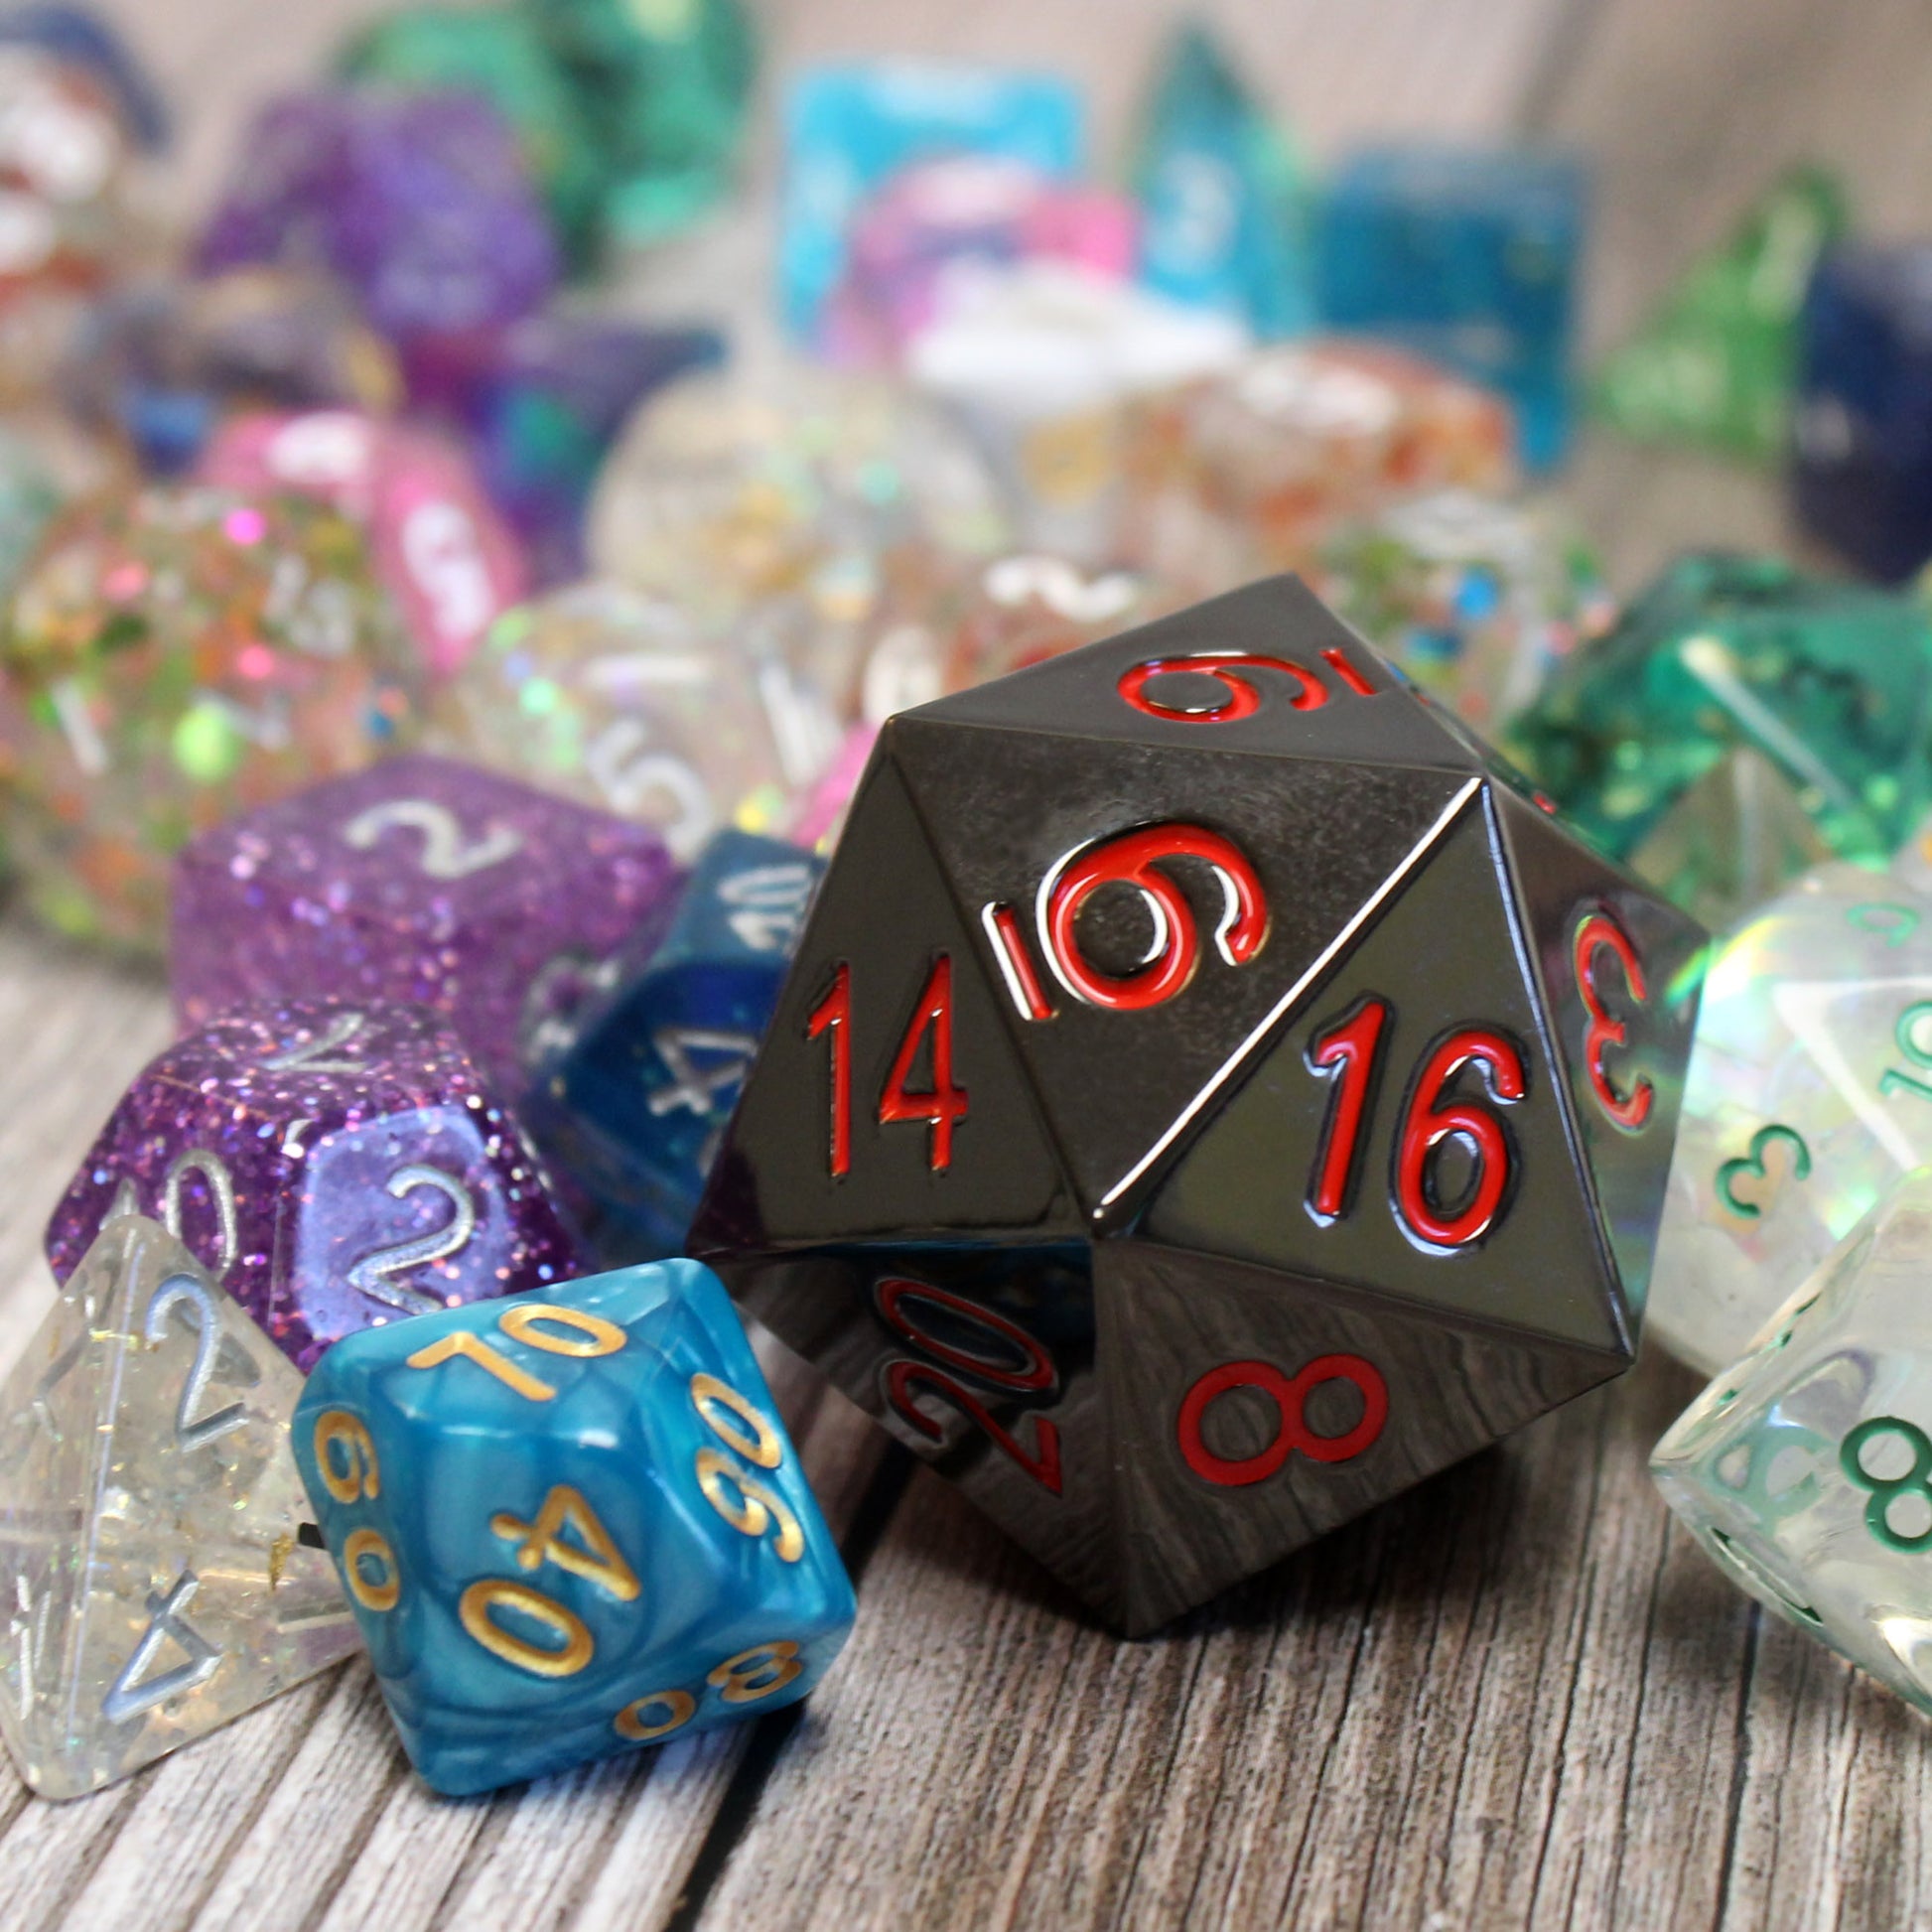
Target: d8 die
[
  {"x": 333, "y": 1164},
  {"x": 635, "y": 1107},
  {"x": 1809, "y": 1095},
  {"x": 1863, "y": 476},
  {"x": 1805, "y": 1470},
  {"x": 570, "y": 1524},
  {"x": 419, "y": 879},
  {"x": 1469, "y": 257},
  {"x": 444, "y": 554},
  {"x": 1209, "y": 1097}
]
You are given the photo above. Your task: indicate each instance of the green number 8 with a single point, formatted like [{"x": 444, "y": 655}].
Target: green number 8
[
  {"x": 1753, "y": 1164},
  {"x": 1885, "y": 1490},
  {"x": 1896, "y": 928}
]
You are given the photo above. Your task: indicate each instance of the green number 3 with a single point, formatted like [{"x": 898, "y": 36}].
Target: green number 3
[
  {"x": 1885, "y": 1490},
  {"x": 1753, "y": 1164}
]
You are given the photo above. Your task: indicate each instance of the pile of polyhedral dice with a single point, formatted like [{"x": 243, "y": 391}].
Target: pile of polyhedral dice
[{"x": 803, "y": 821}]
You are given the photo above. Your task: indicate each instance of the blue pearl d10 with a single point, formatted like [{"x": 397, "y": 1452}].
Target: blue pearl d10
[
  {"x": 631, "y": 1112},
  {"x": 570, "y": 1524},
  {"x": 1467, "y": 256}
]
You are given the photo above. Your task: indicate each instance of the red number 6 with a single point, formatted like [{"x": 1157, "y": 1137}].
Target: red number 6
[
  {"x": 1289, "y": 1397},
  {"x": 1134, "y": 859},
  {"x": 1224, "y": 667}
]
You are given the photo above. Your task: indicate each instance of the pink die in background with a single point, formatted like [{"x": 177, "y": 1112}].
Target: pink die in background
[
  {"x": 421, "y": 881},
  {"x": 934, "y": 225},
  {"x": 448, "y": 558}
]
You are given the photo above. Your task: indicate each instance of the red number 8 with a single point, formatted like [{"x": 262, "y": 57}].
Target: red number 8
[
  {"x": 1289, "y": 1397},
  {"x": 1600, "y": 934},
  {"x": 1242, "y": 700},
  {"x": 1133, "y": 859}
]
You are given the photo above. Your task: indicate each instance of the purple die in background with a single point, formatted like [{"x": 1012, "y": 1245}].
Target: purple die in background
[
  {"x": 419, "y": 879},
  {"x": 420, "y": 202},
  {"x": 333, "y": 1164}
]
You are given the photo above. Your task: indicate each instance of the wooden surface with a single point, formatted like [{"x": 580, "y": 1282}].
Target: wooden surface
[{"x": 1515, "y": 1696}]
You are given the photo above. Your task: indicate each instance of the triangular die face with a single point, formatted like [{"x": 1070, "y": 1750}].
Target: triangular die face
[
  {"x": 827, "y": 1143},
  {"x": 1304, "y": 1169},
  {"x": 149, "y": 1519},
  {"x": 1573, "y": 902},
  {"x": 1237, "y": 1441},
  {"x": 1304, "y": 846},
  {"x": 981, "y": 1361},
  {"x": 1318, "y": 692}
]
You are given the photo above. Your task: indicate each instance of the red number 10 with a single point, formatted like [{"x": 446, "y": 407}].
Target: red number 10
[{"x": 940, "y": 1107}]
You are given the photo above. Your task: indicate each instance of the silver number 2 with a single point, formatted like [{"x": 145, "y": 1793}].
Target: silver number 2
[
  {"x": 371, "y": 1275},
  {"x": 206, "y": 1321},
  {"x": 446, "y": 851}
]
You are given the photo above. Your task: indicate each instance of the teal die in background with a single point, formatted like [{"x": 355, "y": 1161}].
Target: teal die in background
[
  {"x": 571, "y": 1525},
  {"x": 1470, "y": 257},
  {"x": 631, "y": 1113}
]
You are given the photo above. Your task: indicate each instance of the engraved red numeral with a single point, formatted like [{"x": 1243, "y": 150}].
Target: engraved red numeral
[
  {"x": 1241, "y": 697},
  {"x": 1350, "y": 1051},
  {"x": 1427, "y": 1122},
  {"x": 1597, "y": 935},
  {"x": 1135, "y": 859},
  {"x": 1290, "y": 1395},
  {"x": 833, "y": 1015},
  {"x": 943, "y": 1103},
  {"x": 1034, "y": 1375}
]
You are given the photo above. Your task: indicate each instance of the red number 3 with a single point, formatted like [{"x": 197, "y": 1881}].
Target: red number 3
[{"x": 1597, "y": 935}]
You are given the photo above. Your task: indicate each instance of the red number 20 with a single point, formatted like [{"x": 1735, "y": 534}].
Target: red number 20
[{"x": 1035, "y": 1375}]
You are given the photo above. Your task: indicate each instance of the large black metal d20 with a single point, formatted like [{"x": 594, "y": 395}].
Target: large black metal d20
[{"x": 1210, "y": 1097}]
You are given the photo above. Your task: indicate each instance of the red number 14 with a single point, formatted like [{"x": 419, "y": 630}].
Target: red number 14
[{"x": 940, "y": 1106}]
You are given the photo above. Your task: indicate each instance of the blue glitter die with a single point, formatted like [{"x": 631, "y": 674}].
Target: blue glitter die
[
  {"x": 632, "y": 1112},
  {"x": 569, "y": 1525}
]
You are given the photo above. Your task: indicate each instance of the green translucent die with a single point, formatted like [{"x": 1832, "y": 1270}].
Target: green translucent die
[
  {"x": 1716, "y": 361},
  {"x": 1805, "y": 1470},
  {"x": 666, "y": 86},
  {"x": 1737, "y": 702},
  {"x": 1809, "y": 1095}
]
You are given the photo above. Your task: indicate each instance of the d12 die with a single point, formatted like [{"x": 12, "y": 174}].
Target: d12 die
[
  {"x": 1742, "y": 723},
  {"x": 1210, "y": 1097},
  {"x": 444, "y": 554},
  {"x": 337, "y": 1165},
  {"x": 635, "y": 1107},
  {"x": 151, "y": 1557},
  {"x": 423, "y": 881},
  {"x": 1805, "y": 1470},
  {"x": 1809, "y": 1095},
  {"x": 1467, "y": 256},
  {"x": 570, "y": 1524}
]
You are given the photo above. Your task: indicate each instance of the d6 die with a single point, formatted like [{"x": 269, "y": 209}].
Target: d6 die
[
  {"x": 635, "y": 1107},
  {"x": 1862, "y": 477},
  {"x": 335, "y": 1164},
  {"x": 420, "y": 880},
  {"x": 1209, "y": 1095},
  {"x": 1469, "y": 257},
  {"x": 570, "y": 1524},
  {"x": 1805, "y": 1470}
]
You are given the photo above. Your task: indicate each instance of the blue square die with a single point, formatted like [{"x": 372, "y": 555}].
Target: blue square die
[
  {"x": 569, "y": 1525},
  {"x": 1470, "y": 257}
]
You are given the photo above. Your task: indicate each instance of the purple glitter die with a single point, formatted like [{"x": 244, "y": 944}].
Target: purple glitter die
[
  {"x": 334, "y": 1165},
  {"x": 418, "y": 880},
  {"x": 422, "y": 204}
]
